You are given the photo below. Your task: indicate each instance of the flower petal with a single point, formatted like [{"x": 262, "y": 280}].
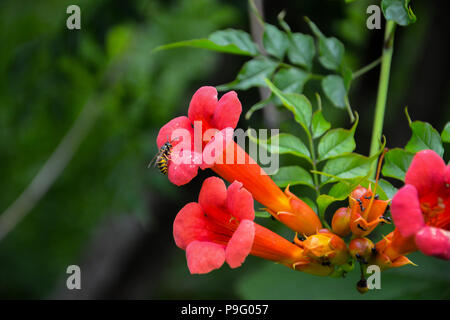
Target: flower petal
[
  {"x": 447, "y": 175},
  {"x": 203, "y": 257},
  {"x": 426, "y": 172},
  {"x": 189, "y": 225},
  {"x": 227, "y": 112},
  {"x": 203, "y": 104},
  {"x": 213, "y": 198},
  {"x": 405, "y": 210},
  {"x": 240, "y": 244},
  {"x": 434, "y": 242},
  {"x": 166, "y": 132},
  {"x": 183, "y": 166},
  {"x": 240, "y": 202}
]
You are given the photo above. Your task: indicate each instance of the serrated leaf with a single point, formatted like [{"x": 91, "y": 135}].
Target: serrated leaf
[
  {"x": 291, "y": 80},
  {"x": 445, "y": 135},
  {"x": 334, "y": 89},
  {"x": 275, "y": 41},
  {"x": 293, "y": 175},
  {"x": 298, "y": 104},
  {"x": 388, "y": 190},
  {"x": 287, "y": 144},
  {"x": 252, "y": 74},
  {"x": 398, "y": 11},
  {"x": 226, "y": 41},
  {"x": 396, "y": 163},
  {"x": 337, "y": 142},
  {"x": 331, "y": 50},
  {"x": 319, "y": 124},
  {"x": 424, "y": 136},
  {"x": 238, "y": 38},
  {"x": 338, "y": 192},
  {"x": 347, "y": 167},
  {"x": 301, "y": 49}
]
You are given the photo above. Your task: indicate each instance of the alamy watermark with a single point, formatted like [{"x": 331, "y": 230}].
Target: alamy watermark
[
  {"x": 74, "y": 280},
  {"x": 74, "y": 20}
]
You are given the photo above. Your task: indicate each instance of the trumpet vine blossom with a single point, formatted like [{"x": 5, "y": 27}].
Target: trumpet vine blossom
[
  {"x": 220, "y": 228},
  {"x": 421, "y": 208},
  {"x": 204, "y": 139}
]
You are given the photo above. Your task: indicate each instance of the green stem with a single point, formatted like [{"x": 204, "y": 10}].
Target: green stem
[
  {"x": 312, "y": 150},
  {"x": 366, "y": 69},
  {"x": 383, "y": 85},
  {"x": 314, "y": 164}
]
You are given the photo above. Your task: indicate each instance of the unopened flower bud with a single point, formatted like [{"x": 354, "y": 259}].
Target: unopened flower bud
[
  {"x": 361, "y": 249},
  {"x": 341, "y": 222}
]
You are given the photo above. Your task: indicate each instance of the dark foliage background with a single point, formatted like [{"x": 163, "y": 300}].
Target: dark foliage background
[{"x": 111, "y": 215}]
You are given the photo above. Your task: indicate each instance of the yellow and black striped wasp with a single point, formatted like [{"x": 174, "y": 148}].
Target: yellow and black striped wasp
[{"x": 161, "y": 159}]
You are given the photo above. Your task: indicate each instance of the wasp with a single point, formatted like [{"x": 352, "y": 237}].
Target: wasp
[{"x": 161, "y": 159}]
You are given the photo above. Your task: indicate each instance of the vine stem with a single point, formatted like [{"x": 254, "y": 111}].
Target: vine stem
[
  {"x": 313, "y": 156},
  {"x": 383, "y": 84},
  {"x": 312, "y": 150},
  {"x": 366, "y": 68}
]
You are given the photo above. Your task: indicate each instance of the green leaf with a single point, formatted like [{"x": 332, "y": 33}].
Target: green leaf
[
  {"x": 227, "y": 41},
  {"x": 347, "y": 75},
  {"x": 252, "y": 74},
  {"x": 275, "y": 41},
  {"x": 445, "y": 135},
  {"x": 396, "y": 163},
  {"x": 398, "y": 11},
  {"x": 337, "y": 142},
  {"x": 388, "y": 190},
  {"x": 293, "y": 175},
  {"x": 287, "y": 144},
  {"x": 338, "y": 192},
  {"x": 424, "y": 136},
  {"x": 334, "y": 89},
  {"x": 347, "y": 167},
  {"x": 291, "y": 80},
  {"x": 238, "y": 38},
  {"x": 331, "y": 50},
  {"x": 323, "y": 201},
  {"x": 298, "y": 104},
  {"x": 319, "y": 124},
  {"x": 301, "y": 49}
]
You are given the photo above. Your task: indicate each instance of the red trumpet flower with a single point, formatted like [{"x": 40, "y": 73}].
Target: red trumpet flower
[
  {"x": 421, "y": 208},
  {"x": 220, "y": 228}
]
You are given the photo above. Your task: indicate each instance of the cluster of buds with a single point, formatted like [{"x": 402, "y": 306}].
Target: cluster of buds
[{"x": 364, "y": 213}]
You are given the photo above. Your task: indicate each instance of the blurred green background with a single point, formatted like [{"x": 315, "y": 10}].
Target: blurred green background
[{"x": 107, "y": 212}]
